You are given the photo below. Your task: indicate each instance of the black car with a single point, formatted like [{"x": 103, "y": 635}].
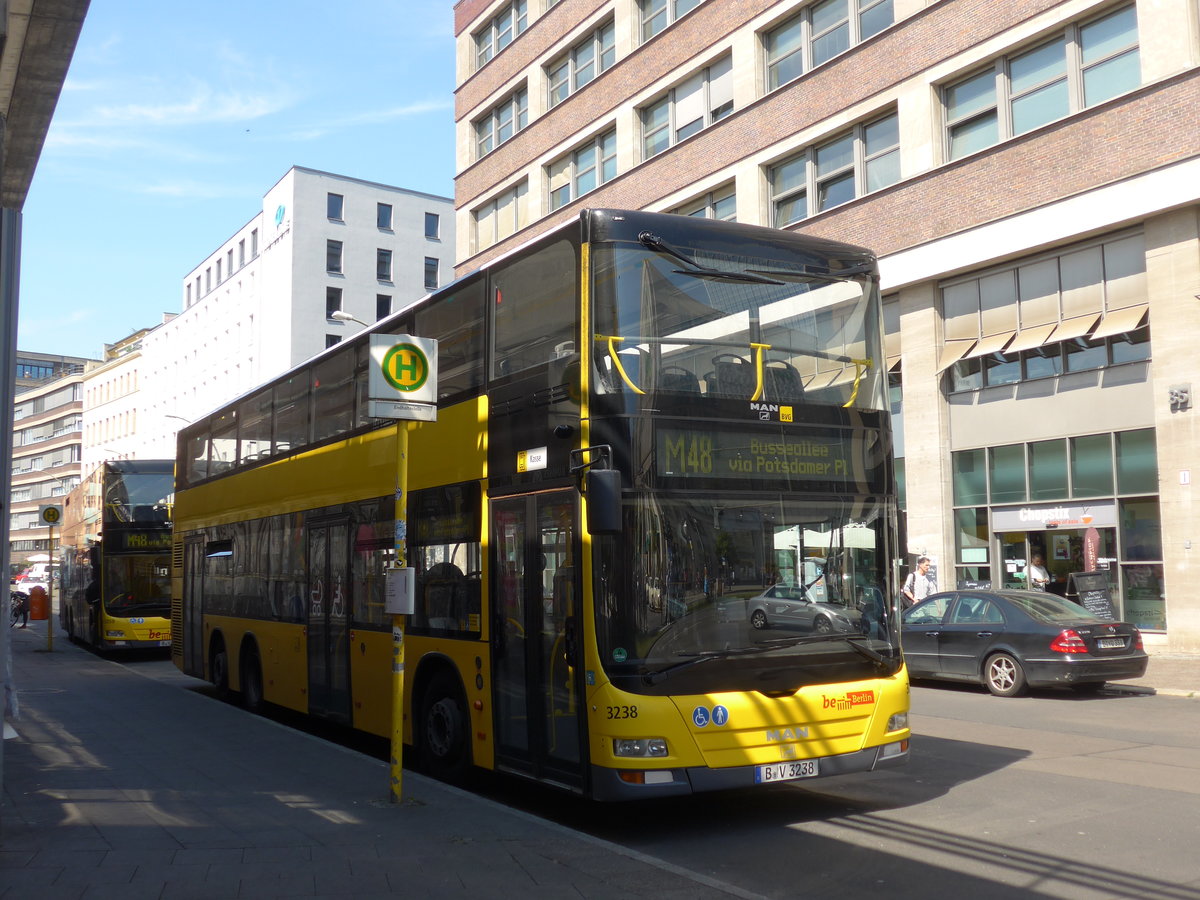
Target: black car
[{"x": 1008, "y": 640}]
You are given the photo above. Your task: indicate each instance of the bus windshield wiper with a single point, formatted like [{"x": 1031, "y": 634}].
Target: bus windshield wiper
[
  {"x": 806, "y": 274},
  {"x": 696, "y": 658},
  {"x": 654, "y": 242}
]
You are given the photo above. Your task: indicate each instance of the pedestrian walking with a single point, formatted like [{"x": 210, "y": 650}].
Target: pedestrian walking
[{"x": 919, "y": 584}]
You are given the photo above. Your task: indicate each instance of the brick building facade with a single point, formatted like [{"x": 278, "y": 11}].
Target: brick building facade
[{"x": 1028, "y": 173}]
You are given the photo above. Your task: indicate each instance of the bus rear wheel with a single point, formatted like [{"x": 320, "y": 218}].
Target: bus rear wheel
[
  {"x": 252, "y": 683},
  {"x": 218, "y": 671},
  {"x": 443, "y": 729}
]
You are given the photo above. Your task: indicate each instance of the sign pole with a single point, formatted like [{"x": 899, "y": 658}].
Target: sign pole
[
  {"x": 401, "y": 562},
  {"x": 50, "y": 594}
]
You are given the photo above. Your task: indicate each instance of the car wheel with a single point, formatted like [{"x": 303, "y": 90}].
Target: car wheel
[
  {"x": 758, "y": 619},
  {"x": 218, "y": 669},
  {"x": 821, "y": 625},
  {"x": 1004, "y": 676},
  {"x": 444, "y": 749}
]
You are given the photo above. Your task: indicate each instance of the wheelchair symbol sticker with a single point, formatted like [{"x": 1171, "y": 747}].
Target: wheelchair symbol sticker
[{"x": 700, "y": 716}]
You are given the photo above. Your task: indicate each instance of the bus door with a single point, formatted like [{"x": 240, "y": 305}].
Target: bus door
[
  {"x": 327, "y": 619},
  {"x": 192, "y": 633},
  {"x": 535, "y": 648}
]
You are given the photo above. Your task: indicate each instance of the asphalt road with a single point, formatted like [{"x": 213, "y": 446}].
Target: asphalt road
[{"x": 1052, "y": 795}]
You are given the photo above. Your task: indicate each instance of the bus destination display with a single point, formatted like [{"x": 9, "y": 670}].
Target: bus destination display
[{"x": 731, "y": 454}]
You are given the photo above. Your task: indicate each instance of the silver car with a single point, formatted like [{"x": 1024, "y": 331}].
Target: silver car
[{"x": 790, "y": 606}]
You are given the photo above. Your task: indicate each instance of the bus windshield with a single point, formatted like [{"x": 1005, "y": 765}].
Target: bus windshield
[
  {"x": 789, "y": 591},
  {"x": 730, "y": 325}
]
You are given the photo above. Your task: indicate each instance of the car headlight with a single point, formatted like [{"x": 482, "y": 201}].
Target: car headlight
[
  {"x": 640, "y": 747},
  {"x": 898, "y": 722}
]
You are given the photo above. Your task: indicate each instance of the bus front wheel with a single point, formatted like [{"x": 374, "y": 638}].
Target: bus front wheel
[{"x": 444, "y": 748}]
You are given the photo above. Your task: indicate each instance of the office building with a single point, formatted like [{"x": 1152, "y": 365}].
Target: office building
[
  {"x": 324, "y": 254},
  {"x": 1028, "y": 173}
]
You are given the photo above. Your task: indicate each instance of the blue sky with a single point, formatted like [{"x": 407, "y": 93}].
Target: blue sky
[{"x": 176, "y": 118}]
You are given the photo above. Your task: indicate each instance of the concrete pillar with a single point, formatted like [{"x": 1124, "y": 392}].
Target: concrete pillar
[
  {"x": 1173, "y": 287},
  {"x": 926, "y": 431}
]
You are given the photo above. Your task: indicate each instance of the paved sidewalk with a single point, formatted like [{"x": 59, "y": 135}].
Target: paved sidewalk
[
  {"x": 1170, "y": 674},
  {"x": 126, "y": 787}
]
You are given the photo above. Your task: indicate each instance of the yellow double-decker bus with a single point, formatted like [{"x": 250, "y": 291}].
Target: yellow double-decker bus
[
  {"x": 652, "y": 525},
  {"x": 116, "y": 556}
]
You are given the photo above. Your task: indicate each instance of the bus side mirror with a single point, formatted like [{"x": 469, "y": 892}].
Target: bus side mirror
[{"x": 603, "y": 490}]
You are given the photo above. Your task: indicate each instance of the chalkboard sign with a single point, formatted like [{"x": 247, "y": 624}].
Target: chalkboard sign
[{"x": 1090, "y": 590}]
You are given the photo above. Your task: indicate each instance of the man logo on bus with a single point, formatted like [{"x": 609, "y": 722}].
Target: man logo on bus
[{"x": 405, "y": 368}]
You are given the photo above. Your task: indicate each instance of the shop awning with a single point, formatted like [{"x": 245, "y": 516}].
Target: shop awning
[
  {"x": 1073, "y": 328},
  {"x": 1121, "y": 320},
  {"x": 993, "y": 343},
  {"x": 952, "y": 353},
  {"x": 1029, "y": 338}
]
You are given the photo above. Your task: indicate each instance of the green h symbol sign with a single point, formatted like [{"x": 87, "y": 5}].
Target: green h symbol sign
[{"x": 405, "y": 367}]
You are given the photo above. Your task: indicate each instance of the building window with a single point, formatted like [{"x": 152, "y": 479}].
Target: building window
[
  {"x": 658, "y": 14},
  {"x": 332, "y": 340},
  {"x": 254, "y": 243},
  {"x": 219, "y": 279},
  {"x": 1080, "y": 67},
  {"x": 857, "y": 162},
  {"x": 433, "y": 224},
  {"x": 207, "y": 280},
  {"x": 584, "y": 61},
  {"x": 718, "y": 204},
  {"x": 383, "y": 265},
  {"x": 431, "y": 273},
  {"x": 383, "y": 306},
  {"x": 819, "y": 33},
  {"x": 333, "y": 301},
  {"x": 500, "y": 31},
  {"x": 333, "y": 257},
  {"x": 383, "y": 216},
  {"x": 502, "y": 123},
  {"x": 501, "y": 216},
  {"x": 333, "y": 206},
  {"x": 189, "y": 294},
  {"x": 705, "y": 98},
  {"x": 584, "y": 170},
  {"x": 229, "y": 263},
  {"x": 241, "y": 252}
]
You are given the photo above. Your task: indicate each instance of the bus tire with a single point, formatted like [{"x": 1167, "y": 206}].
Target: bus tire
[
  {"x": 252, "y": 681},
  {"x": 444, "y": 728},
  {"x": 218, "y": 670}
]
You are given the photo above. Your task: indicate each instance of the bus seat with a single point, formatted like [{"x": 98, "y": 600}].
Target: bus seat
[
  {"x": 678, "y": 379},
  {"x": 781, "y": 381},
  {"x": 733, "y": 377}
]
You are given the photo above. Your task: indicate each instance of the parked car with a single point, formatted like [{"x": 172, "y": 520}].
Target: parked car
[
  {"x": 1010, "y": 640},
  {"x": 791, "y": 606}
]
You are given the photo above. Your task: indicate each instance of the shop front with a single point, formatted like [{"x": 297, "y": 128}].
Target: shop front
[{"x": 1104, "y": 519}]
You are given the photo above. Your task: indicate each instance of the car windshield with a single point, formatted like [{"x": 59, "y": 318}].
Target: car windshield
[
  {"x": 702, "y": 564},
  {"x": 1049, "y": 608}
]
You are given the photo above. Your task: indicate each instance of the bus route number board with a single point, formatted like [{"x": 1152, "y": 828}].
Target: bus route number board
[{"x": 785, "y": 771}]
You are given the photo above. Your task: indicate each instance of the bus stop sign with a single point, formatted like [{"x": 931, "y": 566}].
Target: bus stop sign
[
  {"x": 50, "y": 514},
  {"x": 403, "y": 381}
]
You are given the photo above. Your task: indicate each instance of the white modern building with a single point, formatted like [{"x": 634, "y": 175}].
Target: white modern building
[{"x": 265, "y": 298}]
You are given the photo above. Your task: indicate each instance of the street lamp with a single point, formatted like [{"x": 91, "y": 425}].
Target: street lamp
[{"x": 343, "y": 316}]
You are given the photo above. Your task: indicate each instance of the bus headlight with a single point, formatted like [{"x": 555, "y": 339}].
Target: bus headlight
[
  {"x": 898, "y": 722},
  {"x": 640, "y": 747}
]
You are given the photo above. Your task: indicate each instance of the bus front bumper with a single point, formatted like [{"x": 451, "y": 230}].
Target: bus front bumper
[{"x": 626, "y": 784}]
